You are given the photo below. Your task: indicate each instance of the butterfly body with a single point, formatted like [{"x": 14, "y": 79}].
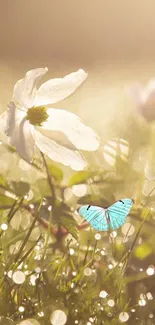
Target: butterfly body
[{"x": 112, "y": 217}]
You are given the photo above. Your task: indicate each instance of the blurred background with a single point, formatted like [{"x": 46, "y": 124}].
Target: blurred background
[{"x": 114, "y": 41}]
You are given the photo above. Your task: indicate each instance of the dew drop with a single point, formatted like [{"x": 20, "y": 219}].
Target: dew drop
[
  {"x": 113, "y": 234},
  {"x": 4, "y": 226},
  {"x": 38, "y": 270},
  {"x": 103, "y": 252},
  {"x": 97, "y": 236},
  {"x": 123, "y": 317},
  {"x": 150, "y": 270},
  {"x": 18, "y": 277},
  {"x": 71, "y": 251},
  {"x": 10, "y": 274},
  {"x": 58, "y": 317},
  {"x": 29, "y": 321},
  {"x": 111, "y": 303},
  {"x": 103, "y": 294},
  {"x": 41, "y": 314},
  {"x": 87, "y": 271},
  {"x": 151, "y": 316},
  {"x": 142, "y": 302},
  {"x": 21, "y": 309},
  {"x": 149, "y": 296}
]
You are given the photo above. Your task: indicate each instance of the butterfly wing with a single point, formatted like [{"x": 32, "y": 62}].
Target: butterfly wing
[
  {"x": 118, "y": 212},
  {"x": 95, "y": 216}
]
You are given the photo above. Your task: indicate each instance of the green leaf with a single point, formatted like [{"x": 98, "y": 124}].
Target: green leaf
[
  {"x": 20, "y": 188},
  {"x": 59, "y": 209},
  {"x": 56, "y": 172},
  {"x": 13, "y": 239},
  {"x": 80, "y": 177},
  {"x": 3, "y": 181},
  {"x": 4, "y": 200},
  {"x": 142, "y": 251},
  {"x": 95, "y": 200},
  {"x": 61, "y": 206},
  {"x": 43, "y": 187},
  {"x": 68, "y": 222},
  {"x": 145, "y": 213},
  {"x": 105, "y": 176}
]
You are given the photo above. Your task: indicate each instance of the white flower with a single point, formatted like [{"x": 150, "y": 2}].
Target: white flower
[
  {"x": 144, "y": 98},
  {"x": 145, "y": 101},
  {"x": 57, "y": 133}
]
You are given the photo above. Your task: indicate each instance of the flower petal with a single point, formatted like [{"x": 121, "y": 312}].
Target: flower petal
[
  {"x": 149, "y": 92},
  {"x": 80, "y": 135},
  {"x": 57, "y": 89},
  {"x": 58, "y": 137},
  {"x": 3, "y": 122},
  {"x": 25, "y": 89},
  {"x": 136, "y": 92},
  {"x": 4, "y": 127},
  {"x": 20, "y": 132},
  {"x": 59, "y": 153}
]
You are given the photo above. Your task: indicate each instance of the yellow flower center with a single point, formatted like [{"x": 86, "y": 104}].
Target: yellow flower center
[{"x": 37, "y": 115}]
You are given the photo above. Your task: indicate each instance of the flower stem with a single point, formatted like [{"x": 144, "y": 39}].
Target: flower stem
[
  {"x": 48, "y": 235},
  {"x": 29, "y": 251},
  {"x": 49, "y": 177},
  {"x": 13, "y": 211},
  {"x": 138, "y": 195},
  {"x": 27, "y": 236},
  {"x": 40, "y": 220},
  {"x": 137, "y": 235}
]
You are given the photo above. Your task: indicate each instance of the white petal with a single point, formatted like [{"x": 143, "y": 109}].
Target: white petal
[
  {"x": 20, "y": 132},
  {"x": 57, "y": 89},
  {"x": 4, "y": 127},
  {"x": 3, "y": 122},
  {"x": 25, "y": 89},
  {"x": 14, "y": 116},
  {"x": 137, "y": 92},
  {"x": 81, "y": 136},
  {"x": 59, "y": 137},
  {"x": 151, "y": 85},
  {"x": 150, "y": 91},
  {"x": 59, "y": 153}
]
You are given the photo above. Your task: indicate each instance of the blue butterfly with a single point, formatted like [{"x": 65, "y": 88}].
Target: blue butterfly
[{"x": 112, "y": 217}]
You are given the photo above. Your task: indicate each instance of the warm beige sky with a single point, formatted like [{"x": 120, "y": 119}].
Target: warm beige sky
[
  {"x": 82, "y": 30},
  {"x": 113, "y": 40}
]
